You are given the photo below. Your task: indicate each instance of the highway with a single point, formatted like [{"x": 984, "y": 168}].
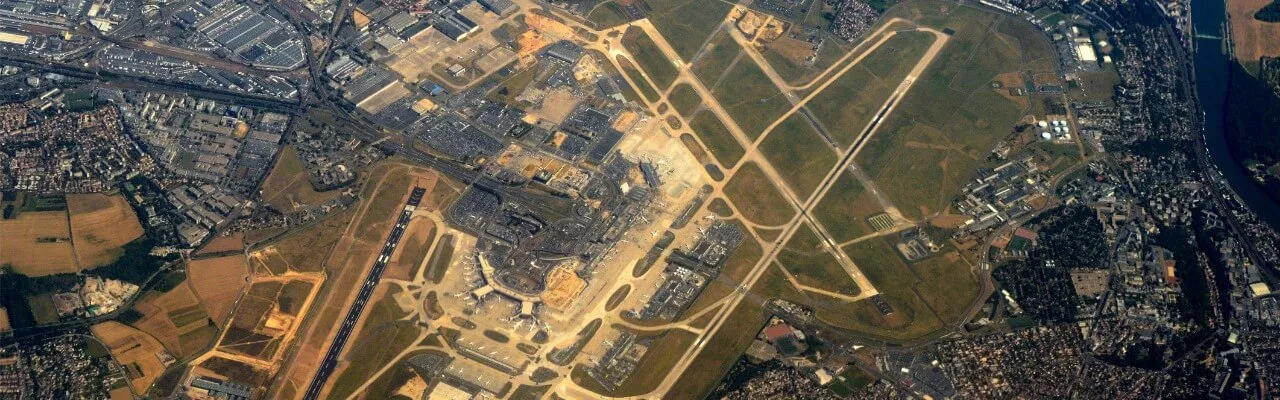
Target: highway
[{"x": 330, "y": 360}]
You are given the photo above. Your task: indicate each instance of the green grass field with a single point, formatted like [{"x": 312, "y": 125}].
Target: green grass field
[
  {"x": 717, "y": 138},
  {"x": 910, "y": 318},
  {"x": 810, "y": 262},
  {"x": 799, "y": 153},
  {"x": 607, "y": 15},
  {"x": 686, "y": 24},
  {"x": 849, "y": 104},
  {"x": 947, "y": 284},
  {"x": 941, "y": 130},
  {"x": 716, "y": 59},
  {"x": 684, "y": 99},
  {"x": 640, "y": 83},
  {"x": 757, "y": 198},
  {"x": 650, "y": 57},
  {"x": 843, "y": 211},
  {"x": 750, "y": 98},
  {"x": 720, "y": 353}
]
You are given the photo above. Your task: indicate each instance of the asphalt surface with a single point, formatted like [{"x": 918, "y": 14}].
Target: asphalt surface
[{"x": 362, "y": 298}]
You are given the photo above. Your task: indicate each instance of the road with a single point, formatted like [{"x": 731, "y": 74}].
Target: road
[{"x": 330, "y": 361}]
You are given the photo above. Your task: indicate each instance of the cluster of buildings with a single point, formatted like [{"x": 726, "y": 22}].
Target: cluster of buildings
[
  {"x": 74, "y": 152},
  {"x": 620, "y": 359},
  {"x": 168, "y": 69},
  {"x": 93, "y": 296},
  {"x": 689, "y": 270},
  {"x": 246, "y": 33},
  {"x": 57, "y": 368},
  {"x": 853, "y": 18},
  {"x": 213, "y": 154},
  {"x": 1002, "y": 194},
  {"x": 1045, "y": 361}
]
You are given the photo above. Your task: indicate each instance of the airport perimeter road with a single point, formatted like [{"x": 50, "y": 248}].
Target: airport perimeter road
[{"x": 348, "y": 324}]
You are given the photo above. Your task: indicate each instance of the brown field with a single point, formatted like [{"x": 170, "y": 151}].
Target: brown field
[
  {"x": 173, "y": 318},
  {"x": 217, "y": 282},
  {"x": 18, "y": 246},
  {"x": 288, "y": 187},
  {"x": 135, "y": 351},
  {"x": 412, "y": 252},
  {"x": 1253, "y": 39},
  {"x": 381, "y": 195},
  {"x": 297, "y": 251},
  {"x": 222, "y": 244},
  {"x": 100, "y": 226}
]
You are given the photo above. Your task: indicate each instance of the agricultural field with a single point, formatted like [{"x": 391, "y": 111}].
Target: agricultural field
[
  {"x": 218, "y": 282},
  {"x": 264, "y": 318},
  {"x": 799, "y": 153},
  {"x": 37, "y": 243},
  {"x": 177, "y": 318},
  {"x": 757, "y": 198},
  {"x": 1252, "y": 38},
  {"x": 100, "y": 227},
  {"x": 137, "y": 352}
]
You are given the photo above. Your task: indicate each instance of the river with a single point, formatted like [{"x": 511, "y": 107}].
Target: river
[{"x": 1208, "y": 17}]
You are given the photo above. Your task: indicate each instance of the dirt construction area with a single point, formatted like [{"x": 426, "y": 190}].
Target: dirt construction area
[
  {"x": 1253, "y": 39},
  {"x": 100, "y": 226}
]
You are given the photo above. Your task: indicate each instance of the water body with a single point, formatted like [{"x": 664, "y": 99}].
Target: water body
[{"x": 1208, "y": 17}]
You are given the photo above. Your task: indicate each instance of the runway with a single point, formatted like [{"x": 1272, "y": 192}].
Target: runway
[{"x": 330, "y": 360}]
